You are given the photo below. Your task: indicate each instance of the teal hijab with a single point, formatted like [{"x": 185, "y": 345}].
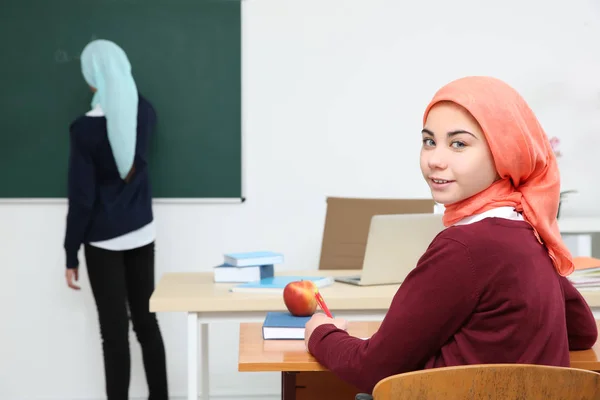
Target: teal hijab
[{"x": 105, "y": 66}]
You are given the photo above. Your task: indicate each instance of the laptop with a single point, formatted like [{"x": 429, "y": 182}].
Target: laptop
[{"x": 394, "y": 245}]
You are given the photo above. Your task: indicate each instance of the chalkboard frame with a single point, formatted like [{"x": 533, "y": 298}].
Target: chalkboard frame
[{"x": 65, "y": 70}]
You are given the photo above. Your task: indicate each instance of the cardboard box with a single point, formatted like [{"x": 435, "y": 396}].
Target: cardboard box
[{"x": 347, "y": 224}]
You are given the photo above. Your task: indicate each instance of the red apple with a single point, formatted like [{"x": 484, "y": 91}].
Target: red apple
[{"x": 299, "y": 298}]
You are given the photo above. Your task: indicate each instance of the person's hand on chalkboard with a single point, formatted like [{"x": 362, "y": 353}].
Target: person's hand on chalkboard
[{"x": 72, "y": 275}]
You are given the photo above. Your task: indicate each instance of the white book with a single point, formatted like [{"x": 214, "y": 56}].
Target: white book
[
  {"x": 226, "y": 273},
  {"x": 253, "y": 258}
]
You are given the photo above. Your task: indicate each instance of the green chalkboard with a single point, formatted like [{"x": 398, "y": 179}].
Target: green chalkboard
[{"x": 186, "y": 59}]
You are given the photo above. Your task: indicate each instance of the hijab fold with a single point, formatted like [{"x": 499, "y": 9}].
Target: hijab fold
[
  {"x": 105, "y": 67},
  {"x": 529, "y": 176}
]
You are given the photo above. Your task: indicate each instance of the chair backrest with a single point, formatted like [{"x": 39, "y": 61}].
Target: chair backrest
[
  {"x": 347, "y": 222},
  {"x": 491, "y": 382}
]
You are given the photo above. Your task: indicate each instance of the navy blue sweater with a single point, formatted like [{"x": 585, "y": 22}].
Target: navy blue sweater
[{"x": 101, "y": 205}]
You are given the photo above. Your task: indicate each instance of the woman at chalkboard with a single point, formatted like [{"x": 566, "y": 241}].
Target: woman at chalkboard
[{"x": 110, "y": 213}]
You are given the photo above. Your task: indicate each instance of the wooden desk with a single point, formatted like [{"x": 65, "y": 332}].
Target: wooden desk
[
  {"x": 291, "y": 358},
  {"x": 207, "y": 302}
]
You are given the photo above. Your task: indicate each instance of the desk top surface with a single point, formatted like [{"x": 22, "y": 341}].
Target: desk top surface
[
  {"x": 196, "y": 292},
  {"x": 258, "y": 355}
]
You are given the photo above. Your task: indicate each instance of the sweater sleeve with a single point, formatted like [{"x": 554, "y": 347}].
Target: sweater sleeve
[
  {"x": 581, "y": 324},
  {"x": 425, "y": 312},
  {"x": 81, "y": 194}
]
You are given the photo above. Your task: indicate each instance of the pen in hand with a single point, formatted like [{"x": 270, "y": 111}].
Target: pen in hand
[{"x": 321, "y": 303}]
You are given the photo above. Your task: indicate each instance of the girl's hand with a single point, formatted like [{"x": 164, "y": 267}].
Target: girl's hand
[
  {"x": 72, "y": 275},
  {"x": 319, "y": 319}
]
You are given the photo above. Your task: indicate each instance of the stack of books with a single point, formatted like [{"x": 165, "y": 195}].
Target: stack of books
[
  {"x": 587, "y": 273},
  {"x": 247, "y": 267}
]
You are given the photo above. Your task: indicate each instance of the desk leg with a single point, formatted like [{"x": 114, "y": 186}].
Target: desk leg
[
  {"x": 192, "y": 347},
  {"x": 288, "y": 385},
  {"x": 205, "y": 384}
]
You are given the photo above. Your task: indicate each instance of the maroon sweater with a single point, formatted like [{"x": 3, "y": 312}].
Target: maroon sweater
[{"x": 482, "y": 293}]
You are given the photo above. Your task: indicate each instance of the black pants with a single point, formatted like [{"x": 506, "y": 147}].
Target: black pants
[{"x": 123, "y": 281}]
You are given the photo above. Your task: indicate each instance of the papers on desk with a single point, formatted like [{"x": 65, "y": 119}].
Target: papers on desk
[
  {"x": 587, "y": 273},
  {"x": 276, "y": 284}
]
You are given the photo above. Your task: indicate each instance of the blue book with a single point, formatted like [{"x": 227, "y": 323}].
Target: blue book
[
  {"x": 283, "y": 325},
  {"x": 276, "y": 284},
  {"x": 226, "y": 273},
  {"x": 253, "y": 258}
]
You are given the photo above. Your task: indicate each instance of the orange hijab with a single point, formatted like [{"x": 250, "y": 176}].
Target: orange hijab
[{"x": 524, "y": 159}]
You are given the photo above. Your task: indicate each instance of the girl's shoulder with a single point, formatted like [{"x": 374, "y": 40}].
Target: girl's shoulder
[
  {"x": 488, "y": 229},
  {"x": 486, "y": 240},
  {"x": 86, "y": 125}
]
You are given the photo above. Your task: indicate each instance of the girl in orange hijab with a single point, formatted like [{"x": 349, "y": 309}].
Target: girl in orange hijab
[{"x": 491, "y": 287}]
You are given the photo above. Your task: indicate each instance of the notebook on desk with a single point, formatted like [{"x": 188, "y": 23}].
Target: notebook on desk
[
  {"x": 394, "y": 245},
  {"x": 283, "y": 325}
]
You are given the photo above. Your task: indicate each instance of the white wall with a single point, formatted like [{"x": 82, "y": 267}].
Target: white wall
[{"x": 333, "y": 97}]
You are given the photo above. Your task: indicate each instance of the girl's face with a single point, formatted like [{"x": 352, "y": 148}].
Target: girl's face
[{"x": 456, "y": 160}]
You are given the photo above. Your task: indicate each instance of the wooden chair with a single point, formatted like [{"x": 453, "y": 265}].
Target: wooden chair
[{"x": 491, "y": 382}]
